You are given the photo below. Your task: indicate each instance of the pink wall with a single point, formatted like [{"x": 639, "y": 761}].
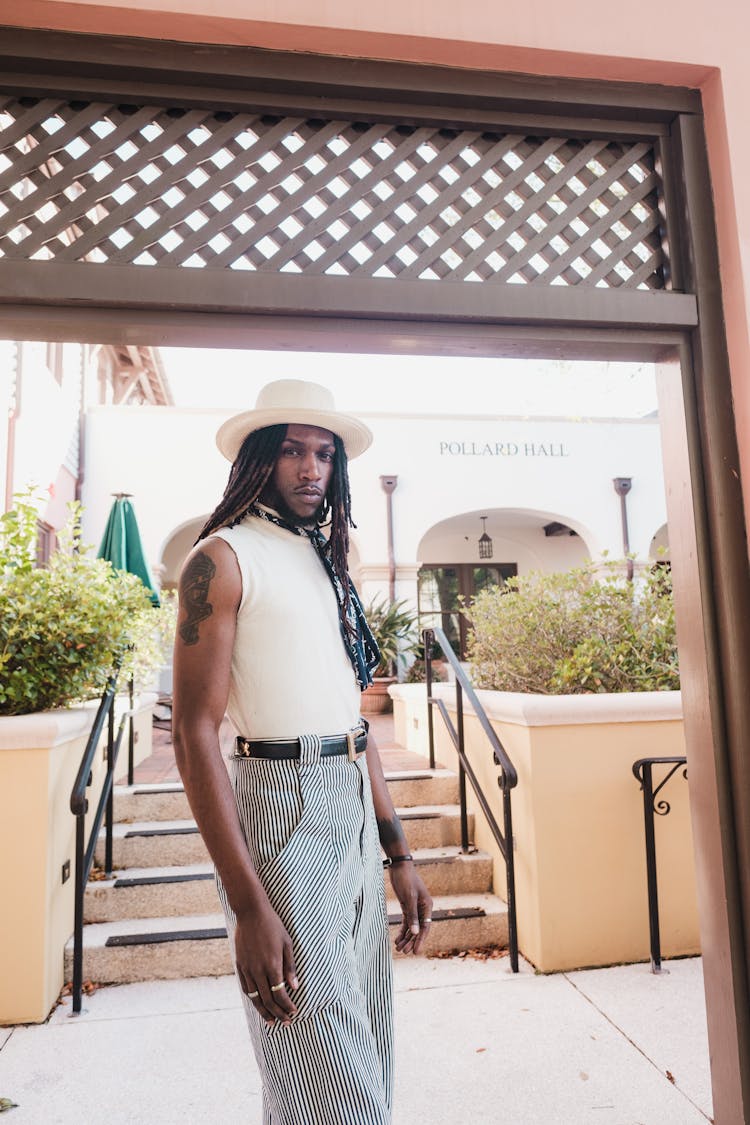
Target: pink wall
[
  {"x": 684, "y": 42},
  {"x": 674, "y": 42}
]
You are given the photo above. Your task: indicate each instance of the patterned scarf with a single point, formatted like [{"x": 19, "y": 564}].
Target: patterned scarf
[{"x": 361, "y": 647}]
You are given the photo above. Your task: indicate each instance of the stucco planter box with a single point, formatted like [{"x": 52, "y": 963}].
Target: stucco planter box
[
  {"x": 578, "y": 818},
  {"x": 39, "y": 758}
]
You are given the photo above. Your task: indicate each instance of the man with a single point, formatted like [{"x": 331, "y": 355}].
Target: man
[{"x": 272, "y": 633}]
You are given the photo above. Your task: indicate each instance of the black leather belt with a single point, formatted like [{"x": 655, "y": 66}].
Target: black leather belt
[{"x": 352, "y": 743}]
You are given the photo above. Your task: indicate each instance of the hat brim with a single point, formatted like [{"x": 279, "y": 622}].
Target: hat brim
[{"x": 354, "y": 434}]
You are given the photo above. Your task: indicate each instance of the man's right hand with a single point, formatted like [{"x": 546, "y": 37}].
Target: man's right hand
[{"x": 265, "y": 960}]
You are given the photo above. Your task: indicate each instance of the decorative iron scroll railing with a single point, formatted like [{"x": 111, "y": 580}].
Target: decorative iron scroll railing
[
  {"x": 168, "y": 186},
  {"x": 643, "y": 772}
]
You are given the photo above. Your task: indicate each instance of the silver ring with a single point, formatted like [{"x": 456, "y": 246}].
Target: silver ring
[
  {"x": 252, "y": 995},
  {"x": 277, "y": 987},
  {"x": 426, "y": 920}
]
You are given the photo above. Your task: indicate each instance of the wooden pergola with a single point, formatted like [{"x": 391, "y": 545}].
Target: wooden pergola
[{"x": 156, "y": 193}]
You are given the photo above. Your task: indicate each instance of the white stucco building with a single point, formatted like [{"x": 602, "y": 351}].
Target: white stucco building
[
  {"x": 545, "y": 486},
  {"x": 540, "y": 486}
]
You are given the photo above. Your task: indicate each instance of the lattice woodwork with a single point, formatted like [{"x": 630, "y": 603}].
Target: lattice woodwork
[
  {"x": 158, "y": 186},
  {"x": 133, "y": 374}
]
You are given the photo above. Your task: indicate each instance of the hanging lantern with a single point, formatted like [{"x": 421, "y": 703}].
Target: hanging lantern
[{"x": 485, "y": 543}]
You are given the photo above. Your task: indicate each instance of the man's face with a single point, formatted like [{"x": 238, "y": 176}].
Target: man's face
[{"x": 301, "y": 475}]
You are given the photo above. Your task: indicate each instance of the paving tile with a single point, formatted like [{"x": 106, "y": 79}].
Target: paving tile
[
  {"x": 180, "y": 1069},
  {"x": 421, "y": 973},
  {"x": 664, "y": 1013},
  {"x": 535, "y": 1054},
  {"x": 153, "y": 998},
  {"x": 475, "y": 1043}
]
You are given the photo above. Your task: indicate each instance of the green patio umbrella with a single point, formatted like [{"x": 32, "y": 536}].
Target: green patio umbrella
[{"x": 121, "y": 543}]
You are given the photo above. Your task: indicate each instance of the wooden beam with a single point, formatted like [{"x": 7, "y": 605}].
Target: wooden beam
[
  {"x": 235, "y": 291},
  {"x": 147, "y": 389},
  {"x": 720, "y": 767},
  {"x": 122, "y": 384},
  {"x": 133, "y": 352},
  {"x": 105, "y": 59},
  {"x": 163, "y": 328}
]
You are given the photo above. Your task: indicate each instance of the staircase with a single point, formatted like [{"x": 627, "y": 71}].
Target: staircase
[{"x": 159, "y": 916}]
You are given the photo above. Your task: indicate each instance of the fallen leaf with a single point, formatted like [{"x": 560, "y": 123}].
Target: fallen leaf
[
  {"x": 480, "y": 1049},
  {"x": 583, "y": 1076},
  {"x": 88, "y": 987},
  {"x": 481, "y": 953},
  {"x": 6, "y": 1103},
  {"x": 670, "y": 1076}
]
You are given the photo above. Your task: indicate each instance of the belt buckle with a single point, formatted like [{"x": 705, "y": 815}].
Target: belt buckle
[
  {"x": 351, "y": 743},
  {"x": 242, "y": 747}
]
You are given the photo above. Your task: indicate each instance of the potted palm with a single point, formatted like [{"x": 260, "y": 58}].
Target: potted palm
[{"x": 393, "y": 625}]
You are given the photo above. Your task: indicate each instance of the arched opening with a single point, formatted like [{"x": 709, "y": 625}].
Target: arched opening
[
  {"x": 176, "y": 549},
  {"x": 452, "y": 570},
  {"x": 658, "y": 551}
]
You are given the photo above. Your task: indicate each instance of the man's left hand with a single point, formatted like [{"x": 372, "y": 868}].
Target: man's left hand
[{"x": 416, "y": 906}]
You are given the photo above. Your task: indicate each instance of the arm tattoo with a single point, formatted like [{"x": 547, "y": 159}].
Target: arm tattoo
[
  {"x": 391, "y": 832},
  {"x": 195, "y": 582}
]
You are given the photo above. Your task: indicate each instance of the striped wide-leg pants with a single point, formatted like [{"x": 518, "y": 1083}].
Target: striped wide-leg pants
[{"x": 311, "y": 832}]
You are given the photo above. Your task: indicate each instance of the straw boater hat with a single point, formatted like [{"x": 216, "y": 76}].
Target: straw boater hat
[{"x": 293, "y": 400}]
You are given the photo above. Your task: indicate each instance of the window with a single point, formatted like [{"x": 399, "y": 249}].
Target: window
[
  {"x": 46, "y": 541},
  {"x": 442, "y": 588}
]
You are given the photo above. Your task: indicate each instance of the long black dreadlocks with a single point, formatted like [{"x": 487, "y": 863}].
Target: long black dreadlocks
[{"x": 249, "y": 475}]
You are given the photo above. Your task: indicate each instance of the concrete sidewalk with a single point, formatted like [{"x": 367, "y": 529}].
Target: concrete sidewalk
[{"x": 476, "y": 1046}]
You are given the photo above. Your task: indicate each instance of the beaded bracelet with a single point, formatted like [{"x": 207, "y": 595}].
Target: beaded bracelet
[{"x": 391, "y": 859}]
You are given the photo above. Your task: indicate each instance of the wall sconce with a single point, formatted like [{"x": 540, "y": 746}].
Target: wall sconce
[
  {"x": 485, "y": 543},
  {"x": 622, "y": 488}
]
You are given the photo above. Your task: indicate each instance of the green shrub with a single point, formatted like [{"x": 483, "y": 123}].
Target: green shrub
[
  {"x": 581, "y": 631},
  {"x": 62, "y": 627}
]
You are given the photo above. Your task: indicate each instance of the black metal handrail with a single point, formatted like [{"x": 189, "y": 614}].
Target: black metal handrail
[
  {"x": 131, "y": 733},
  {"x": 643, "y": 772},
  {"x": 507, "y": 781},
  {"x": 104, "y": 811}
]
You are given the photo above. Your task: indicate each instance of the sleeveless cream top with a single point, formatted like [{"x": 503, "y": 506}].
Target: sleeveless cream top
[{"x": 290, "y": 671}]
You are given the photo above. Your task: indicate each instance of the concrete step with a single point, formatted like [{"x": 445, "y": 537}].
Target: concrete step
[
  {"x": 461, "y": 922},
  {"x": 432, "y": 826},
  {"x": 159, "y": 948},
  {"x": 160, "y": 801},
  {"x": 422, "y": 787},
  {"x": 447, "y": 871},
  {"x": 171, "y": 843},
  {"x": 167, "y": 800},
  {"x": 154, "y": 843},
  {"x": 149, "y": 892},
  {"x": 166, "y": 948},
  {"x": 144, "y": 892}
]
